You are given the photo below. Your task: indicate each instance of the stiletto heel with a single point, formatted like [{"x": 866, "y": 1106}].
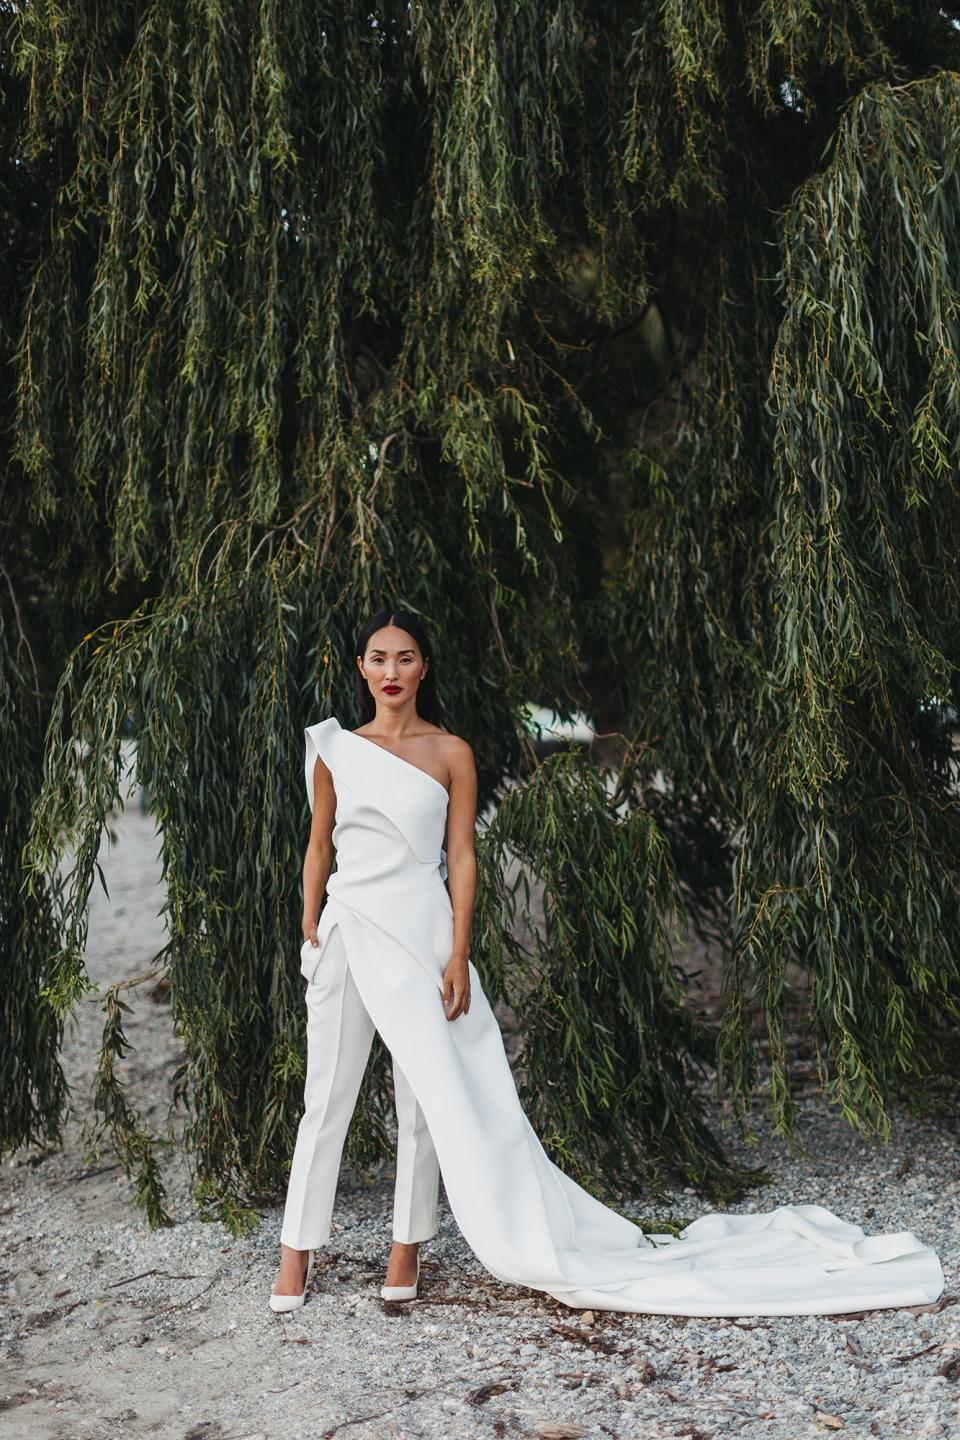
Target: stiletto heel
[
  {"x": 402, "y": 1292},
  {"x": 280, "y": 1304}
]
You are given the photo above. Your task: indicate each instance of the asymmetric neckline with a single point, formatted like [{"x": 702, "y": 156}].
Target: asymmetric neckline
[{"x": 420, "y": 771}]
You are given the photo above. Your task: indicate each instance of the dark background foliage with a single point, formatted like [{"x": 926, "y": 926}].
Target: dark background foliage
[{"x": 618, "y": 341}]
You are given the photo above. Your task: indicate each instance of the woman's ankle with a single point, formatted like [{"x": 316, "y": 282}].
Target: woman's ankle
[{"x": 288, "y": 1255}]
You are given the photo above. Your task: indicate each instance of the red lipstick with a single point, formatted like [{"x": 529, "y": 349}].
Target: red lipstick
[{"x": 391, "y": 689}]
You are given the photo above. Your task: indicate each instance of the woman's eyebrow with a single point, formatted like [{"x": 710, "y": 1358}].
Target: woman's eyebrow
[{"x": 408, "y": 651}]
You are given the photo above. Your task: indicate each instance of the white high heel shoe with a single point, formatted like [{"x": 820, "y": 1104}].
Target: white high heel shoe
[
  {"x": 280, "y": 1304},
  {"x": 402, "y": 1292}
]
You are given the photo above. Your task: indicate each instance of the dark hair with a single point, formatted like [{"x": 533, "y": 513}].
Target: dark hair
[{"x": 428, "y": 706}]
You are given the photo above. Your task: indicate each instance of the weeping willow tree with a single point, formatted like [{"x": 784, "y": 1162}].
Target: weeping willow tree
[{"x": 620, "y": 342}]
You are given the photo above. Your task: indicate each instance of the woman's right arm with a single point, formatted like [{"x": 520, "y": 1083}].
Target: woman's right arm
[{"x": 318, "y": 861}]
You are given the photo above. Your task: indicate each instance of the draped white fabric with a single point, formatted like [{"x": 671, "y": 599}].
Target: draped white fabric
[{"x": 526, "y": 1220}]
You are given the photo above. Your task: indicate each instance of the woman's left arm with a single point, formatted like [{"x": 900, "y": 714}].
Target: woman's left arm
[{"x": 461, "y": 873}]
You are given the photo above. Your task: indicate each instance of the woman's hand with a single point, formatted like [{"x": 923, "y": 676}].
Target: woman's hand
[
  {"x": 456, "y": 987},
  {"x": 310, "y": 931}
]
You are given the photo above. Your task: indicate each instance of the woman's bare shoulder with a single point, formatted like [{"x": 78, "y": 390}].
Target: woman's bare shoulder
[{"x": 457, "y": 750}]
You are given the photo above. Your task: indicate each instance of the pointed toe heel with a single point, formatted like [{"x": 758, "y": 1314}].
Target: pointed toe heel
[
  {"x": 281, "y": 1304},
  {"x": 402, "y": 1292}
]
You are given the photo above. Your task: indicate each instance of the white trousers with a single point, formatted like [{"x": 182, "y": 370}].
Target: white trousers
[{"x": 339, "y": 1035}]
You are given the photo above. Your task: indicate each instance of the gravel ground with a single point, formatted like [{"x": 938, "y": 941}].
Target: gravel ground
[{"x": 109, "y": 1329}]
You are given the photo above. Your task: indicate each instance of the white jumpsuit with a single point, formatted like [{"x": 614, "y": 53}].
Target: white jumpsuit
[{"x": 386, "y": 935}]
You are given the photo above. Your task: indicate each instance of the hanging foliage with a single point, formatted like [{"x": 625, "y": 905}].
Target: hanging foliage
[{"x": 617, "y": 341}]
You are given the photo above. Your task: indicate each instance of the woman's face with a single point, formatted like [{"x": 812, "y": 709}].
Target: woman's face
[{"x": 392, "y": 666}]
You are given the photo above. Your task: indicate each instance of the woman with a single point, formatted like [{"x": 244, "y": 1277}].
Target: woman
[{"x": 390, "y": 951}]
